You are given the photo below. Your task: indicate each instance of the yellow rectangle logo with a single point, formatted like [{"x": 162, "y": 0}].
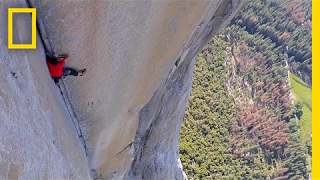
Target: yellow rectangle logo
[
  {"x": 33, "y": 44},
  {"x": 315, "y": 90}
]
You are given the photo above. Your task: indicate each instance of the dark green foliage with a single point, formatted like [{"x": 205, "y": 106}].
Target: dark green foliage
[
  {"x": 204, "y": 141},
  {"x": 309, "y": 146},
  {"x": 297, "y": 110},
  {"x": 295, "y": 153},
  {"x": 287, "y": 24},
  {"x": 205, "y": 148},
  {"x": 238, "y": 123}
]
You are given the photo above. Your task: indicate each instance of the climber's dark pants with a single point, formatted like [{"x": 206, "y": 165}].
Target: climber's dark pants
[
  {"x": 67, "y": 71},
  {"x": 56, "y": 80}
]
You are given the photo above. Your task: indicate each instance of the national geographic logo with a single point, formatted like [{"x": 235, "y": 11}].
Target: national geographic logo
[{"x": 33, "y": 44}]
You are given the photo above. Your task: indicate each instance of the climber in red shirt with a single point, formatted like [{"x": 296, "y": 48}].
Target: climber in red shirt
[{"x": 57, "y": 69}]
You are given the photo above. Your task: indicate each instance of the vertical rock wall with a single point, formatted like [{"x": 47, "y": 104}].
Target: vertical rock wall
[
  {"x": 37, "y": 137},
  {"x": 139, "y": 56}
]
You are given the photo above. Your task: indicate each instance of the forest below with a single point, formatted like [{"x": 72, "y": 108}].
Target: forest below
[{"x": 248, "y": 112}]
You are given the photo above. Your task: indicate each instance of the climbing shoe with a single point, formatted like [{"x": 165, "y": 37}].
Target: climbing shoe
[{"x": 82, "y": 72}]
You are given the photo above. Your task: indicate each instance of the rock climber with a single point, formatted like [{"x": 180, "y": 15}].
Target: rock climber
[{"x": 57, "y": 69}]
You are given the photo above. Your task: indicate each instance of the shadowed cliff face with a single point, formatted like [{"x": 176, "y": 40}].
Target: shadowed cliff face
[{"x": 139, "y": 57}]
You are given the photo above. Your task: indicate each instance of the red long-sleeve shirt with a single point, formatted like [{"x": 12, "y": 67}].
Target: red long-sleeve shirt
[{"x": 56, "y": 70}]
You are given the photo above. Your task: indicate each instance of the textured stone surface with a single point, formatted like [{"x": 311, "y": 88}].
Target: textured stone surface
[
  {"x": 139, "y": 56},
  {"x": 130, "y": 48},
  {"x": 156, "y": 154},
  {"x": 37, "y": 138}
]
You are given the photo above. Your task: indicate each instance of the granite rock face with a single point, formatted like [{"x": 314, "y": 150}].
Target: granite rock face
[
  {"x": 37, "y": 136},
  {"x": 130, "y": 103}
]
